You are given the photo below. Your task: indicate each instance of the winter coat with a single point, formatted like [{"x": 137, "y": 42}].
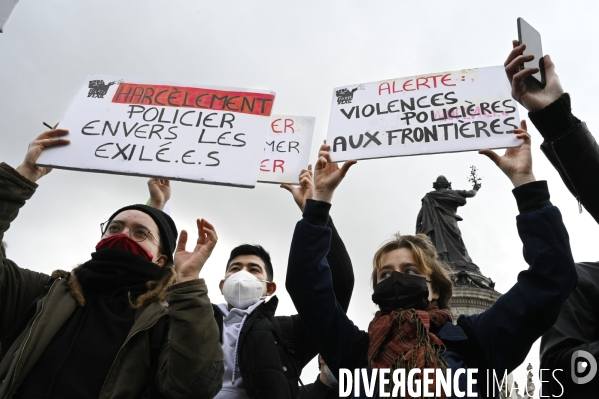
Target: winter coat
[
  {"x": 497, "y": 340},
  {"x": 319, "y": 390},
  {"x": 273, "y": 350},
  {"x": 189, "y": 363},
  {"x": 573, "y": 151}
]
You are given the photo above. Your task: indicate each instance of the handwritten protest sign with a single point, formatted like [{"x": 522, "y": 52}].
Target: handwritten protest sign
[
  {"x": 179, "y": 132},
  {"x": 287, "y": 149},
  {"x": 463, "y": 110}
]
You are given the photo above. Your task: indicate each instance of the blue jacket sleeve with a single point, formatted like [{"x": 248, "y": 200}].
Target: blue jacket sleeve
[
  {"x": 310, "y": 285},
  {"x": 505, "y": 332}
]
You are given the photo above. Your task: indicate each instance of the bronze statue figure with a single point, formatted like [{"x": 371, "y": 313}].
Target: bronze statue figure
[{"x": 438, "y": 220}]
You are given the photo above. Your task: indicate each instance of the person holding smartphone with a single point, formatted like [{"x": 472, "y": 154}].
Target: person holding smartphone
[{"x": 573, "y": 151}]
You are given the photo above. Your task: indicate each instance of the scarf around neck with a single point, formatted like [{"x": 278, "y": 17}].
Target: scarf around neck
[
  {"x": 114, "y": 269},
  {"x": 79, "y": 357},
  {"x": 405, "y": 339}
]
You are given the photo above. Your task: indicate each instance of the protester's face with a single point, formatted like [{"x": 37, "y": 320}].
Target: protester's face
[
  {"x": 131, "y": 218},
  {"x": 251, "y": 264},
  {"x": 402, "y": 260}
]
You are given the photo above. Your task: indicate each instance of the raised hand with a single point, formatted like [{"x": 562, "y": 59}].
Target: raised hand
[
  {"x": 160, "y": 192},
  {"x": 328, "y": 175},
  {"x": 50, "y": 138},
  {"x": 305, "y": 190},
  {"x": 516, "y": 163},
  {"x": 532, "y": 97},
  {"x": 189, "y": 264}
]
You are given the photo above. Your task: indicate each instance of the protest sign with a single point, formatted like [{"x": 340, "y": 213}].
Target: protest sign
[
  {"x": 287, "y": 149},
  {"x": 456, "y": 111},
  {"x": 180, "y": 132}
]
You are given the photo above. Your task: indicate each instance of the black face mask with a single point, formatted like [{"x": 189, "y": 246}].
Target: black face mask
[{"x": 401, "y": 291}]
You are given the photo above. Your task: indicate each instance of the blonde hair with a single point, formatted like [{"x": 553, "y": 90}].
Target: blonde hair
[
  {"x": 156, "y": 288},
  {"x": 427, "y": 260}
]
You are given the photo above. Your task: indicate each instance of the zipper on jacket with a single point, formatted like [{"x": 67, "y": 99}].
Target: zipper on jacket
[
  {"x": 568, "y": 177},
  {"x": 27, "y": 339},
  {"x": 120, "y": 350}
]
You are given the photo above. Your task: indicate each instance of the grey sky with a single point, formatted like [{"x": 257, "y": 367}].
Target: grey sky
[{"x": 301, "y": 50}]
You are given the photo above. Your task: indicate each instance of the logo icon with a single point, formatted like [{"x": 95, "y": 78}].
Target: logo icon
[
  {"x": 98, "y": 89},
  {"x": 583, "y": 366},
  {"x": 345, "y": 96}
]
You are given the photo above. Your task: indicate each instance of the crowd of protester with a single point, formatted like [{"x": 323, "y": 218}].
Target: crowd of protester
[{"x": 140, "y": 310}]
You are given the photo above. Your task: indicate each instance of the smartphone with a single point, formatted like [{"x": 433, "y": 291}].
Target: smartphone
[{"x": 529, "y": 36}]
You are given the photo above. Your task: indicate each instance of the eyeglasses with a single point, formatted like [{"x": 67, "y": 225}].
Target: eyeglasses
[{"x": 136, "y": 232}]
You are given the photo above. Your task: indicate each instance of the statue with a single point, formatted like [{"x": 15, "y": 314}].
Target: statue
[
  {"x": 438, "y": 220},
  {"x": 530, "y": 386},
  {"x": 513, "y": 392}
]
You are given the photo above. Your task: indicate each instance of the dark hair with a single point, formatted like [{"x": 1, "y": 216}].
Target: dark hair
[{"x": 249, "y": 249}]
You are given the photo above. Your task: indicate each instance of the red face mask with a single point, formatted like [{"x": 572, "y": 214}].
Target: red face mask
[{"x": 123, "y": 241}]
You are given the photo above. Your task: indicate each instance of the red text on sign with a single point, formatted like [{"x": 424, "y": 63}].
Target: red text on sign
[
  {"x": 288, "y": 123},
  {"x": 194, "y": 97},
  {"x": 276, "y": 163},
  {"x": 429, "y": 82}
]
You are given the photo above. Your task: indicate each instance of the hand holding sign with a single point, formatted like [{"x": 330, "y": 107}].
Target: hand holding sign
[
  {"x": 28, "y": 168},
  {"x": 328, "y": 175},
  {"x": 532, "y": 97},
  {"x": 189, "y": 264},
  {"x": 516, "y": 163},
  {"x": 305, "y": 190},
  {"x": 160, "y": 192}
]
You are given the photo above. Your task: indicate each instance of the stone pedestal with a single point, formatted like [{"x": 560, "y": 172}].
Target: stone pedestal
[{"x": 471, "y": 300}]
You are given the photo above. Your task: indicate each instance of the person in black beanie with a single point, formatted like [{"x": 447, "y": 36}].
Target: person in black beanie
[
  {"x": 573, "y": 151},
  {"x": 103, "y": 329}
]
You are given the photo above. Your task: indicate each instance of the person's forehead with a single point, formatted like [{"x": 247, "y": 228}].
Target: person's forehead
[
  {"x": 131, "y": 216},
  {"x": 247, "y": 259},
  {"x": 398, "y": 256}
]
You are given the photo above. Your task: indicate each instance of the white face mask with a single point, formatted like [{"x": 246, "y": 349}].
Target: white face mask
[{"x": 243, "y": 289}]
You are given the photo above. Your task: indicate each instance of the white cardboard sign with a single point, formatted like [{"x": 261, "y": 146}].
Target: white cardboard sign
[
  {"x": 171, "y": 131},
  {"x": 455, "y": 111},
  {"x": 287, "y": 149}
]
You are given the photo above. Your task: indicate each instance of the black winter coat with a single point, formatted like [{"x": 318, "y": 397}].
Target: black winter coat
[
  {"x": 498, "y": 339},
  {"x": 273, "y": 350},
  {"x": 573, "y": 151}
]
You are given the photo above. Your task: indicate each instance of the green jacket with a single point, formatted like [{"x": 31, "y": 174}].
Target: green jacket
[{"x": 190, "y": 363}]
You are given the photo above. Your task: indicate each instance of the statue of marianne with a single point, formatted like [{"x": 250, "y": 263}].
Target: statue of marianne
[{"x": 438, "y": 220}]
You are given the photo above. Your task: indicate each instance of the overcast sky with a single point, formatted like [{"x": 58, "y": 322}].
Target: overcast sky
[{"x": 300, "y": 50}]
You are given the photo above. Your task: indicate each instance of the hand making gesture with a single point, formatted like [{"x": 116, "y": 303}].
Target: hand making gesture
[
  {"x": 160, "y": 192},
  {"x": 305, "y": 190},
  {"x": 189, "y": 264},
  {"x": 328, "y": 175},
  {"x": 516, "y": 163}
]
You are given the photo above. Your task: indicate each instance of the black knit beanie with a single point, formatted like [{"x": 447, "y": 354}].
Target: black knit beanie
[{"x": 166, "y": 227}]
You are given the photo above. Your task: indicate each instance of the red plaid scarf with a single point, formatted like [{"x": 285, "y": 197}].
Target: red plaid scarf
[{"x": 403, "y": 339}]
